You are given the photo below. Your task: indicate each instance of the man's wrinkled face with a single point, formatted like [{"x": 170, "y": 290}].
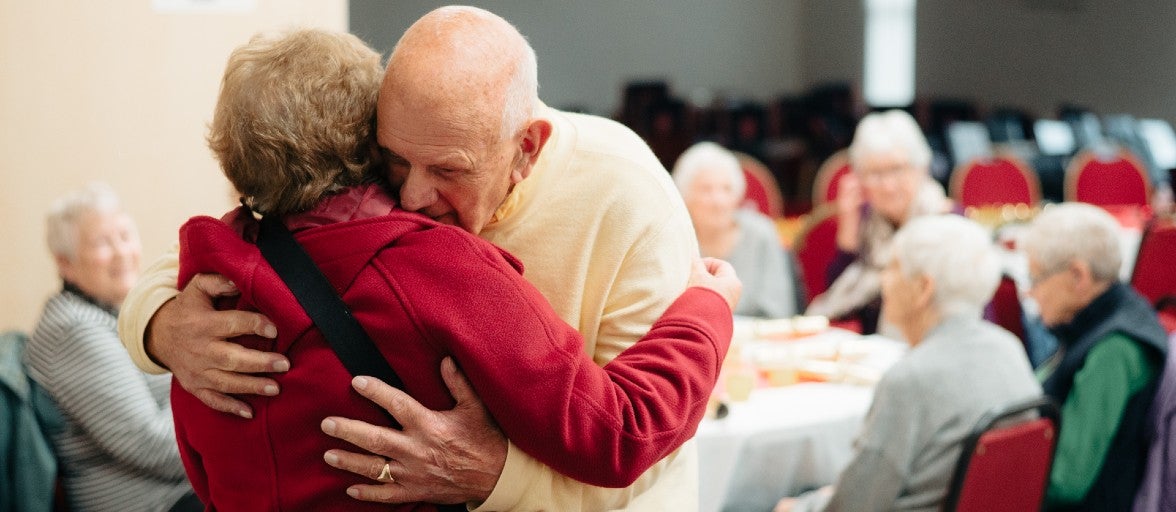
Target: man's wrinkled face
[{"x": 451, "y": 173}]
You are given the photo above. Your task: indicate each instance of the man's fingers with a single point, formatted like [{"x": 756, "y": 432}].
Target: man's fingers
[
  {"x": 213, "y": 285},
  {"x": 386, "y": 493},
  {"x": 404, "y": 408},
  {"x": 238, "y": 384},
  {"x": 224, "y": 403},
  {"x": 231, "y": 357},
  {"x": 382, "y": 441},
  {"x": 232, "y": 323},
  {"x": 459, "y": 386},
  {"x": 367, "y": 466}
]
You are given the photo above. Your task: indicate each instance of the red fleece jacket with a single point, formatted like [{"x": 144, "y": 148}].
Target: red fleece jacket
[{"x": 424, "y": 291}]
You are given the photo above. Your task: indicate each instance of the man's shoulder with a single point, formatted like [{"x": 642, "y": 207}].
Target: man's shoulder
[
  {"x": 594, "y": 127},
  {"x": 598, "y": 139}
]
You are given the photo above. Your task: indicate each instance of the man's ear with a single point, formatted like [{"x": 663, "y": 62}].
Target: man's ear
[{"x": 534, "y": 138}]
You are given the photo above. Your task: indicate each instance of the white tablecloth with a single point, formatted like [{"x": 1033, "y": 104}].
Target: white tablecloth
[
  {"x": 778, "y": 443},
  {"x": 784, "y": 440}
]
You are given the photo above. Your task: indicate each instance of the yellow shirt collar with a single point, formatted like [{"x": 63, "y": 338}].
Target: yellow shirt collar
[
  {"x": 521, "y": 191},
  {"x": 511, "y": 203}
]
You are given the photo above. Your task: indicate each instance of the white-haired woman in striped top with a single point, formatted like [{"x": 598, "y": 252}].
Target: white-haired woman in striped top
[{"x": 118, "y": 449}]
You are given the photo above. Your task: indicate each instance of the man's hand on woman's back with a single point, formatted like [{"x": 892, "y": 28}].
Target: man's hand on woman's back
[{"x": 189, "y": 337}]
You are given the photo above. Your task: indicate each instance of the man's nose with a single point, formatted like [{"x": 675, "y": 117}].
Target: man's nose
[{"x": 416, "y": 193}]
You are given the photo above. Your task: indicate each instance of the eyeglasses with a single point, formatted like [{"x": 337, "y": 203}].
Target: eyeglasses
[
  {"x": 887, "y": 174},
  {"x": 1035, "y": 281}
]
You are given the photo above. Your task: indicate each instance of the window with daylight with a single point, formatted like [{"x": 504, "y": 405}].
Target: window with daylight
[{"x": 889, "y": 53}]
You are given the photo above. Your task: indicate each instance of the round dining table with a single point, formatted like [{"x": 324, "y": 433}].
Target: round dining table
[{"x": 792, "y": 434}]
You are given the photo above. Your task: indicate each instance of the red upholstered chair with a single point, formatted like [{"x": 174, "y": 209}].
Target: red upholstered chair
[
  {"x": 1166, "y": 313},
  {"x": 762, "y": 191},
  {"x": 1006, "y": 305},
  {"x": 1003, "y": 179},
  {"x": 1005, "y": 461},
  {"x": 829, "y": 177},
  {"x": 1154, "y": 275},
  {"x": 815, "y": 247},
  {"x": 1117, "y": 179}
]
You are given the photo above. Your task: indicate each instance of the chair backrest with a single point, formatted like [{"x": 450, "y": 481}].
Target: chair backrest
[
  {"x": 1003, "y": 179},
  {"x": 1107, "y": 180},
  {"x": 1154, "y": 275},
  {"x": 1005, "y": 461},
  {"x": 829, "y": 177},
  {"x": 762, "y": 190},
  {"x": 816, "y": 246},
  {"x": 28, "y": 418},
  {"x": 1006, "y": 305}
]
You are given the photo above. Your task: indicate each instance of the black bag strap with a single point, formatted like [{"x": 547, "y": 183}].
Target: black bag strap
[
  {"x": 316, "y": 295},
  {"x": 322, "y": 303}
]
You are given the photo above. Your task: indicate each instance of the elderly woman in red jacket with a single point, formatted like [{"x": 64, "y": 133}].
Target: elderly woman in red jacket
[{"x": 293, "y": 133}]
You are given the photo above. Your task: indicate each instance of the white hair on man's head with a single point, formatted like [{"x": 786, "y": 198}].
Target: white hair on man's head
[
  {"x": 887, "y": 132},
  {"x": 522, "y": 92},
  {"x": 477, "y": 59},
  {"x": 708, "y": 155},
  {"x": 1065, "y": 232},
  {"x": 954, "y": 252},
  {"x": 65, "y": 211}
]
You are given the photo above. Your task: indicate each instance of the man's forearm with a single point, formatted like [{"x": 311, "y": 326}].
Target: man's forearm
[{"x": 155, "y": 287}]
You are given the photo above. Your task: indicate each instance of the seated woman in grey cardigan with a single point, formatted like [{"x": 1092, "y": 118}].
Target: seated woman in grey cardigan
[
  {"x": 959, "y": 367},
  {"x": 117, "y": 449},
  {"x": 713, "y": 186}
]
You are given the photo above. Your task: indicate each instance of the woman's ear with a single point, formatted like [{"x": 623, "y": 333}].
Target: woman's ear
[
  {"x": 1083, "y": 276},
  {"x": 925, "y": 291},
  {"x": 65, "y": 267}
]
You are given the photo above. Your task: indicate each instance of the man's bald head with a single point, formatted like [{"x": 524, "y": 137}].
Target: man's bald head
[{"x": 466, "y": 64}]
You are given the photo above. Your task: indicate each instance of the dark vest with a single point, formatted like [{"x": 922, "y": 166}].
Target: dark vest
[{"x": 1119, "y": 310}]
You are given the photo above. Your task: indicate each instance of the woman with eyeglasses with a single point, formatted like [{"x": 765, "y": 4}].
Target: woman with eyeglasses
[
  {"x": 1107, "y": 368},
  {"x": 890, "y": 185}
]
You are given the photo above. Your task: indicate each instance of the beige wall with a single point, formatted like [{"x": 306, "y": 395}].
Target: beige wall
[{"x": 113, "y": 91}]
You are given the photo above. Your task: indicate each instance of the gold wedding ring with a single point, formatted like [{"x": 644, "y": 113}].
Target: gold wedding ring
[{"x": 386, "y": 474}]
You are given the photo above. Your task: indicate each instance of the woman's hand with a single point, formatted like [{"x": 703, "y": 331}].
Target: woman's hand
[
  {"x": 719, "y": 276},
  {"x": 850, "y": 199}
]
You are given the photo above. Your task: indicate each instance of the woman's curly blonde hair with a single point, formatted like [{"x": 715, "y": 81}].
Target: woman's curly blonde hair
[{"x": 295, "y": 119}]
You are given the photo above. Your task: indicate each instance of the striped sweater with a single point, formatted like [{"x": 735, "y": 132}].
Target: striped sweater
[{"x": 118, "y": 450}]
